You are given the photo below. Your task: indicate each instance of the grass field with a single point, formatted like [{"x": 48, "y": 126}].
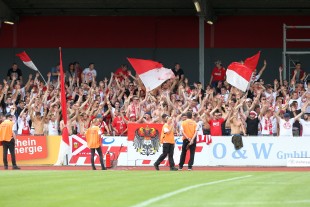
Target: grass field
[{"x": 153, "y": 188}]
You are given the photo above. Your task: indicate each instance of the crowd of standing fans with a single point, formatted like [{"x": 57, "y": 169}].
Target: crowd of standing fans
[{"x": 280, "y": 108}]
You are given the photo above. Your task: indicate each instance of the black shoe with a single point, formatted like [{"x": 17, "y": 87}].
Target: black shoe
[
  {"x": 94, "y": 168},
  {"x": 16, "y": 168},
  {"x": 189, "y": 169},
  {"x": 173, "y": 169},
  {"x": 104, "y": 168},
  {"x": 6, "y": 167},
  {"x": 156, "y": 167}
]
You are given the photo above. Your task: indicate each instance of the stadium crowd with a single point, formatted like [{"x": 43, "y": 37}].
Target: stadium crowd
[{"x": 278, "y": 109}]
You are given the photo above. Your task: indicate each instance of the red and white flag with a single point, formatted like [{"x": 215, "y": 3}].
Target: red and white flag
[
  {"x": 151, "y": 73},
  {"x": 26, "y": 60},
  {"x": 239, "y": 75},
  {"x": 251, "y": 62}
]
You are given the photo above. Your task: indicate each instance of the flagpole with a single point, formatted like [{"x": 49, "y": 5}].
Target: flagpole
[{"x": 42, "y": 77}]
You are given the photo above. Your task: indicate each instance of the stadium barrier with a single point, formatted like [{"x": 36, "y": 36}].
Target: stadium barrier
[{"x": 143, "y": 151}]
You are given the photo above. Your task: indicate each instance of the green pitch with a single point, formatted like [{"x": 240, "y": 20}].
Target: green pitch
[{"x": 152, "y": 188}]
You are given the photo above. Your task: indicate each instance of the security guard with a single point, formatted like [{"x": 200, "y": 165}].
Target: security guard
[{"x": 7, "y": 138}]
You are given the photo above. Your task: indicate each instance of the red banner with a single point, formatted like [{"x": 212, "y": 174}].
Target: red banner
[{"x": 144, "y": 130}]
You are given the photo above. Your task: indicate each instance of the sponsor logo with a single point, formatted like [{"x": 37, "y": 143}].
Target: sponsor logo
[
  {"x": 30, "y": 147},
  {"x": 260, "y": 151}
]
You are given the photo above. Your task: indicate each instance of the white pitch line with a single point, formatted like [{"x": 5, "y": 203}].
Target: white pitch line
[{"x": 167, "y": 195}]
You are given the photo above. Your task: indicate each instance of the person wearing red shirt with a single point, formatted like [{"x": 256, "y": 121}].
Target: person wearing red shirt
[
  {"x": 216, "y": 125},
  {"x": 119, "y": 125},
  {"x": 216, "y": 122},
  {"x": 218, "y": 74},
  {"x": 121, "y": 72}
]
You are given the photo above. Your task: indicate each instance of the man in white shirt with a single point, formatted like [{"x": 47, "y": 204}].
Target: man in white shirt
[
  {"x": 305, "y": 125},
  {"x": 286, "y": 124},
  {"x": 89, "y": 74}
]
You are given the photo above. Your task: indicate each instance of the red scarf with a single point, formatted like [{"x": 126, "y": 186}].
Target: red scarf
[
  {"x": 135, "y": 109},
  {"x": 268, "y": 123}
]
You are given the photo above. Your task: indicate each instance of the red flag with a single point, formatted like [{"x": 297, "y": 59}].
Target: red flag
[
  {"x": 26, "y": 60},
  {"x": 65, "y": 133},
  {"x": 151, "y": 73},
  {"x": 251, "y": 62}
]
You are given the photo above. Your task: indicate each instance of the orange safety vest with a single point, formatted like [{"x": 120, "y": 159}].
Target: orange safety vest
[
  {"x": 93, "y": 137},
  {"x": 6, "y": 130},
  {"x": 168, "y": 137},
  {"x": 189, "y": 127}
]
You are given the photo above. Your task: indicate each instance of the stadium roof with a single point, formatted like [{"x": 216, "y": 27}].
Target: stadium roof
[{"x": 17, "y": 8}]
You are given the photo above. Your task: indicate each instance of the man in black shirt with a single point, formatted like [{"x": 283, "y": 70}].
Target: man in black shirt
[
  {"x": 178, "y": 72},
  {"x": 252, "y": 124},
  {"x": 15, "y": 72}
]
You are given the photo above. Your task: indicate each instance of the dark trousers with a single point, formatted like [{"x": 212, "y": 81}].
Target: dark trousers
[
  {"x": 183, "y": 154},
  {"x": 9, "y": 146},
  {"x": 168, "y": 149},
  {"x": 92, "y": 158}
]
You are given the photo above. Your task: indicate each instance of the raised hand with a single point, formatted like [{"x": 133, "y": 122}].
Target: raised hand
[{"x": 280, "y": 69}]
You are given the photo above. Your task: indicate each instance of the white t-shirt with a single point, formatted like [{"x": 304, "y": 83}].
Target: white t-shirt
[
  {"x": 179, "y": 128},
  {"x": 286, "y": 127},
  {"x": 23, "y": 124},
  {"x": 305, "y": 127},
  {"x": 274, "y": 125},
  {"x": 199, "y": 127},
  {"x": 52, "y": 128},
  {"x": 88, "y": 74}
]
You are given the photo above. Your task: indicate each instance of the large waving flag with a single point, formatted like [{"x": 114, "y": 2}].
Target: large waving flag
[
  {"x": 151, "y": 73},
  {"x": 64, "y": 144},
  {"x": 239, "y": 75},
  {"x": 27, "y": 61}
]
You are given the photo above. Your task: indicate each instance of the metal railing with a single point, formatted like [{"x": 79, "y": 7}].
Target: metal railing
[{"x": 285, "y": 52}]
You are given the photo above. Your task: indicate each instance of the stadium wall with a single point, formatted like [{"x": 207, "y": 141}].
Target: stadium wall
[{"x": 107, "y": 41}]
